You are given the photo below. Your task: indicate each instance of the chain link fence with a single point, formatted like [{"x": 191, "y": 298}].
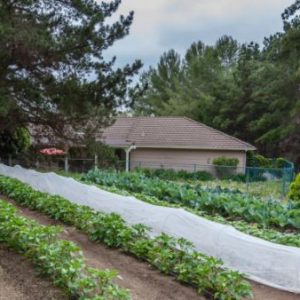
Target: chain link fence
[{"x": 273, "y": 182}]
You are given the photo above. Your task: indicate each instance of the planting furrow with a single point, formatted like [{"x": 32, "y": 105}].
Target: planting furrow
[
  {"x": 60, "y": 260},
  {"x": 20, "y": 281}
]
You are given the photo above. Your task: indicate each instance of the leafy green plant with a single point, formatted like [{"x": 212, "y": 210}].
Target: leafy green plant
[
  {"x": 289, "y": 238},
  {"x": 163, "y": 252},
  {"x": 60, "y": 260},
  {"x": 232, "y": 205},
  {"x": 294, "y": 193}
]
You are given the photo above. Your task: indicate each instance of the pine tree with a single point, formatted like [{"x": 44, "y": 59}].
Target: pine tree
[{"x": 52, "y": 70}]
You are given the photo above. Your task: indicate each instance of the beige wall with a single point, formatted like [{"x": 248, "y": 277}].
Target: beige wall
[{"x": 182, "y": 159}]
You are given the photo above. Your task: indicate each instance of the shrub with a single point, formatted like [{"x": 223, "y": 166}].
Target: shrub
[
  {"x": 225, "y": 166},
  {"x": 259, "y": 161},
  {"x": 294, "y": 193}
]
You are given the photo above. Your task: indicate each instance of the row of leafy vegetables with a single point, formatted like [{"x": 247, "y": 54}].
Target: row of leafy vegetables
[
  {"x": 58, "y": 259},
  {"x": 235, "y": 206},
  {"x": 176, "y": 257},
  {"x": 271, "y": 220}
]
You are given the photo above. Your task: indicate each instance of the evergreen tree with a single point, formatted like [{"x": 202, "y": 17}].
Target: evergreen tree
[
  {"x": 52, "y": 70},
  {"x": 248, "y": 91}
]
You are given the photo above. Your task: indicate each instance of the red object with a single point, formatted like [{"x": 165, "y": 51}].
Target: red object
[{"x": 52, "y": 151}]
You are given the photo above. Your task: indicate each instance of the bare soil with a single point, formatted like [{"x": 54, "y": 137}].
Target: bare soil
[
  {"x": 144, "y": 282},
  {"x": 19, "y": 281}
]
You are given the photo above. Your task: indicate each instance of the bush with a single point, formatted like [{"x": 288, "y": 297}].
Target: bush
[
  {"x": 225, "y": 166},
  {"x": 259, "y": 161},
  {"x": 294, "y": 193}
]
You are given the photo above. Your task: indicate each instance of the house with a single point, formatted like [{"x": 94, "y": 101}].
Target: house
[{"x": 172, "y": 142}]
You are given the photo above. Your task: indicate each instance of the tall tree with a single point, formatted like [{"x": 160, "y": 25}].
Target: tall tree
[
  {"x": 248, "y": 91},
  {"x": 52, "y": 70}
]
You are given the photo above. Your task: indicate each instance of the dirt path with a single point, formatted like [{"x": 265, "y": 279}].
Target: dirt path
[
  {"x": 144, "y": 282},
  {"x": 19, "y": 281}
]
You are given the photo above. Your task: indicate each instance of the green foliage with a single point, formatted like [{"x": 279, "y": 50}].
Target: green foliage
[
  {"x": 172, "y": 256},
  {"x": 14, "y": 141},
  {"x": 294, "y": 193},
  {"x": 273, "y": 235},
  {"x": 170, "y": 174},
  {"x": 226, "y": 161},
  {"x": 225, "y": 167},
  {"x": 60, "y": 260},
  {"x": 259, "y": 161},
  {"x": 52, "y": 68},
  {"x": 248, "y": 91},
  {"x": 230, "y": 204}
]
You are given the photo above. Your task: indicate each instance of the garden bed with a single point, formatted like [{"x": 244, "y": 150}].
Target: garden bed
[
  {"x": 141, "y": 279},
  {"x": 240, "y": 255},
  {"x": 19, "y": 280}
]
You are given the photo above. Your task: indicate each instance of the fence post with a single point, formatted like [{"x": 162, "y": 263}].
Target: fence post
[
  {"x": 66, "y": 163},
  {"x": 284, "y": 179},
  {"x": 96, "y": 161},
  {"x": 247, "y": 179},
  {"x": 9, "y": 160}
]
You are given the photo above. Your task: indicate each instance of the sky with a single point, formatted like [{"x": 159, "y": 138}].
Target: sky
[{"x": 161, "y": 25}]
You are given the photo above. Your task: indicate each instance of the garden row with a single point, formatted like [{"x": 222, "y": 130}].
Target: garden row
[
  {"x": 288, "y": 238},
  {"x": 231, "y": 205},
  {"x": 60, "y": 260},
  {"x": 171, "y": 256}
]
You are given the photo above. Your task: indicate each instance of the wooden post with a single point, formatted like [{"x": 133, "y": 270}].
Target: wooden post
[{"x": 9, "y": 160}]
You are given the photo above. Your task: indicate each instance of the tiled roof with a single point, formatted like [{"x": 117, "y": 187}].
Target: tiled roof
[{"x": 169, "y": 132}]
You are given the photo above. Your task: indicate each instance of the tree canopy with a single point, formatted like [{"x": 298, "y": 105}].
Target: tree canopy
[
  {"x": 52, "y": 70},
  {"x": 247, "y": 90}
]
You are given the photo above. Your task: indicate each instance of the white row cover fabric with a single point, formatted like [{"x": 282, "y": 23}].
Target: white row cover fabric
[{"x": 262, "y": 261}]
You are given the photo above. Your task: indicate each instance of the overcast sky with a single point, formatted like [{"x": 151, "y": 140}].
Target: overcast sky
[{"x": 164, "y": 24}]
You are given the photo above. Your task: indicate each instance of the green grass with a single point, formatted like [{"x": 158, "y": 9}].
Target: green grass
[{"x": 262, "y": 189}]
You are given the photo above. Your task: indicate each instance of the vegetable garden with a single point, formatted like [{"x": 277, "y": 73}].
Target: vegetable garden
[
  {"x": 62, "y": 261},
  {"x": 171, "y": 256},
  {"x": 232, "y": 205}
]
